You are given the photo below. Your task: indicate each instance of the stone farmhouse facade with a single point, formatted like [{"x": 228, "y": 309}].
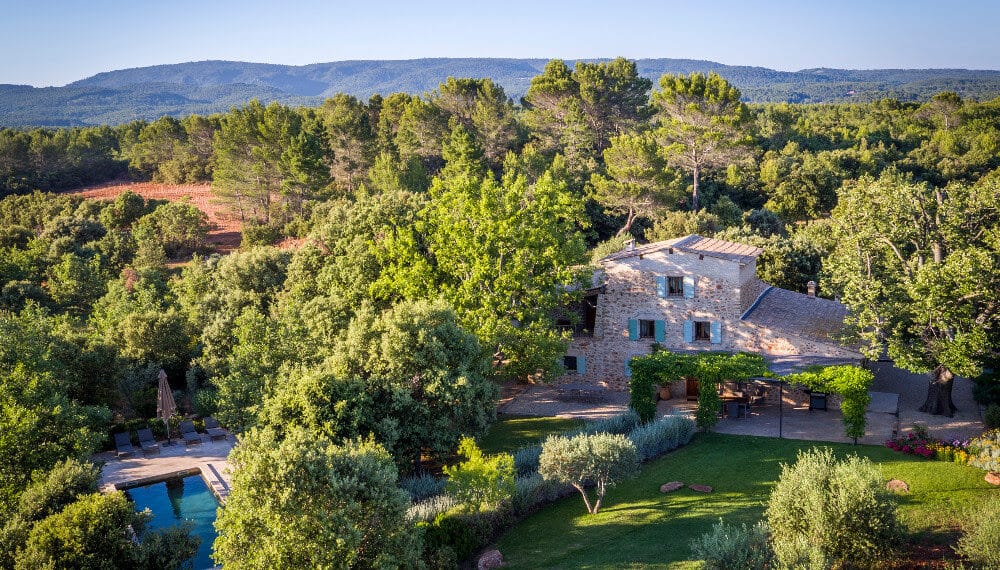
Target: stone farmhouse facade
[{"x": 691, "y": 294}]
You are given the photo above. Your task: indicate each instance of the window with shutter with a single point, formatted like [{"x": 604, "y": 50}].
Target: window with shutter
[
  {"x": 647, "y": 328},
  {"x": 689, "y": 287},
  {"x": 716, "y": 332},
  {"x": 702, "y": 331},
  {"x": 570, "y": 363},
  {"x": 661, "y": 286},
  {"x": 688, "y": 331},
  {"x": 659, "y": 331},
  {"x": 628, "y": 367},
  {"x": 633, "y": 329},
  {"x": 675, "y": 286}
]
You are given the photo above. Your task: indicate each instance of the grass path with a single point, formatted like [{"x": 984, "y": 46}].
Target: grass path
[{"x": 642, "y": 528}]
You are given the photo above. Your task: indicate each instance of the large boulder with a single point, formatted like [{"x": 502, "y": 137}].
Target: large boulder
[
  {"x": 490, "y": 559},
  {"x": 700, "y": 488},
  {"x": 897, "y": 486},
  {"x": 671, "y": 486}
]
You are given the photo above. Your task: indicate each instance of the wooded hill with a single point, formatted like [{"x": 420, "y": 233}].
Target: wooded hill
[{"x": 207, "y": 87}]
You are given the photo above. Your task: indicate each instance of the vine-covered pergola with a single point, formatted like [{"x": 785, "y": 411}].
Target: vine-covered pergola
[{"x": 712, "y": 368}]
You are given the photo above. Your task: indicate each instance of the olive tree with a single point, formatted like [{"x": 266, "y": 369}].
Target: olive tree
[
  {"x": 827, "y": 511},
  {"x": 601, "y": 460}
]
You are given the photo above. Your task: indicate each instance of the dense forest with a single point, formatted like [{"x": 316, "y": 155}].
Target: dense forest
[
  {"x": 440, "y": 235},
  {"x": 206, "y": 87}
]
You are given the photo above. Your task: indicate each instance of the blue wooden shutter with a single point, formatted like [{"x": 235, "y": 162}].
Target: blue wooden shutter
[
  {"x": 659, "y": 333},
  {"x": 689, "y": 287},
  {"x": 581, "y": 365},
  {"x": 716, "y": 332},
  {"x": 661, "y": 286},
  {"x": 628, "y": 366},
  {"x": 688, "y": 331},
  {"x": 633, "y": 329}
]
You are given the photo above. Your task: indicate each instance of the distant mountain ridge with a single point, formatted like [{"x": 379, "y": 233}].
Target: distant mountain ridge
[{"x": 205, "y": 87}]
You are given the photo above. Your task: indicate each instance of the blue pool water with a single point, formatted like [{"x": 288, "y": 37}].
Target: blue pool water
[{"x": 178, "y": 500}]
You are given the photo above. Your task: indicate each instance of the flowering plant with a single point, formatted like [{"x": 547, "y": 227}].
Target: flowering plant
[{"x": 919, "y": 442}]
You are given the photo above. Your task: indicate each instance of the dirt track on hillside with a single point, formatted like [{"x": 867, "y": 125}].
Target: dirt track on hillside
[{"x": 225, "y": 234}]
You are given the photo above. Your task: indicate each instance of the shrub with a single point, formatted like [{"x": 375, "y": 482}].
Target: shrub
[
  {"x": 661, "y": 436},
  {"x": 731, "y": 547},
  {"x": 534, "y": 490},
  {"x": 480, "y": 481},
  {"x": 913, "y": 444},
  {"x": 422, "y": 486},
  {"x": 984, "y": 451},
  {"x": 526, "y": 459},
  {"x": 205, "y": 402},
  {"x": 255, "y": 233},
  {"x": 601, "y": 460},
  {"x": 620, "y": 424},
  {"x": 981, "y": 542},
  {"x": 709, "y": 406},
  {"x": 991, "y": 417},
  {"x": 830, "y": 512},
  {"x": 428, "y": 509},
  {"x": 461, "y": 532}
]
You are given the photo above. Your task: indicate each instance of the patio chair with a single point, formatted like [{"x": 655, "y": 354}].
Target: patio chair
[
  {"x": 213, "y": 429},
  {"x": 147, "y": 442},
  {"x": 188, "y": 432},
  {"x": 123, "y": 443}
]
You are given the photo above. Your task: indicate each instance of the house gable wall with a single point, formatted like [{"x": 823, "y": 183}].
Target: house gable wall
[{"x": 723, "y": 291}]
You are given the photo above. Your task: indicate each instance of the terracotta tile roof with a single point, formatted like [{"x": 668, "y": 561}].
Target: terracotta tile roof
[
  {"x": 795, "y": 313},
  {"x": 694, "y": 243}
]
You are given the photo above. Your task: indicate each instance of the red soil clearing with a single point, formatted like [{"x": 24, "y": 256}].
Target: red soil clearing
[{"x": 225, "y": 234}]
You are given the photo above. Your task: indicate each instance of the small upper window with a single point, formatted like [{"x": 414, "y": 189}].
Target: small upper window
[
  {"x": 675, "y": 286},
  {"x": 647, "y": 329},
  {"x": 702, "y": 330}
]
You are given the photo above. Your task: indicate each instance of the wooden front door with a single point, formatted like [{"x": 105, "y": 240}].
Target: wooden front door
[{"x": 691, "y": 388}]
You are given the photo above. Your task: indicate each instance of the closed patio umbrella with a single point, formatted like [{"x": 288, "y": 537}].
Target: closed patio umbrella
[{"x": 165, "y": 405}]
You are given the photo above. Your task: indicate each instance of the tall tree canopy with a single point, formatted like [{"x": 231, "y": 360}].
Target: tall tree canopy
[
  {"x": 502, "y": 252},
  {"x": 701, "y": 122},
  {"x": 919, "y": 268}
]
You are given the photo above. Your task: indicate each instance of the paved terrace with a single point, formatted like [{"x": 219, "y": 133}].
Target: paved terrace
[
  {"x": 795, "y": 419},
  {"x": 207, "y": 459}
]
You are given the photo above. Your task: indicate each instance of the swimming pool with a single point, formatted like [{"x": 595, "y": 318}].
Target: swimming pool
[{"x": 178, "y": 500}]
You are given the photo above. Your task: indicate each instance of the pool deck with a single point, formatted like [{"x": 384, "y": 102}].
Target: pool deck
[{"x": 207, "y": 459}]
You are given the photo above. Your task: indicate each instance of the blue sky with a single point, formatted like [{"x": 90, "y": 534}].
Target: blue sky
[{"x": 50, "y": 42}]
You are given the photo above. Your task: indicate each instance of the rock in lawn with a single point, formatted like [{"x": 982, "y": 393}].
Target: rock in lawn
[
  {"x": 897, "y": 486},
  {"x": 671, "y": 486},
  {"x": 700, "y": 488},
  {"x": 993, "y": 478},
  {"x": 490, "y": 559}
]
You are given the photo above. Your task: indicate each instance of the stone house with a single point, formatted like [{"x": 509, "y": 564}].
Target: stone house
[{"x": 690, "y": 294}]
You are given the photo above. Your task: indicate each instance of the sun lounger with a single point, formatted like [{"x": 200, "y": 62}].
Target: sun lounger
[
  {"x": 123, "y": 443},
  {"x": 147, "y": 441},
  {"x": 188, "y": 432},
  {"x": 213, "y": 430}
]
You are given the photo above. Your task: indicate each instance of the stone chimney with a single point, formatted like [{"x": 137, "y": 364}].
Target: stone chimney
[{"x": 811, "y": 289}]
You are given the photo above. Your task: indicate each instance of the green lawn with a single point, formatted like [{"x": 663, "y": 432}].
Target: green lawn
[
  {"x": 512, "y": 432},
  {"x": 642, "y": 528}
]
